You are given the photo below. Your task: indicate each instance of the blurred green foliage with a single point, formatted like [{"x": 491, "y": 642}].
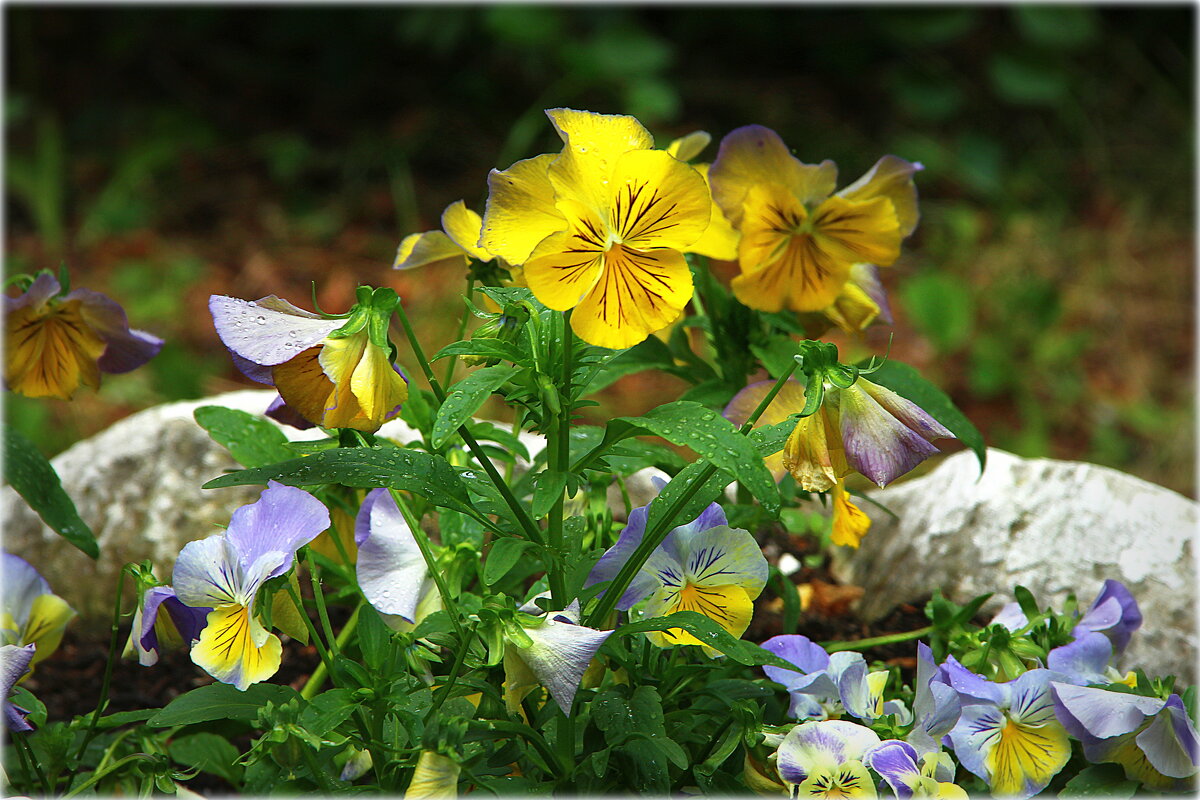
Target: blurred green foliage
[{"x": 1049, "y": 281}]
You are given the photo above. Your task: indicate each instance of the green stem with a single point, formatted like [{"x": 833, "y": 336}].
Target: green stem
[
  {"x": 455, "y": 671},
  {"x": 430, "y": 562},
  {"x": 319, "y": 599},
  {"x": 308, "y": 623},
  {"x": 98, "y": 776},
  {"x": 108, "y": 668},
  {"x": 877, "y": 641},
  {"x": 654, "y": 536},
  {"x": 558, "y": 444},
  {"x": 317, "y": 679},
  {"x": 327, "y": 785},
  {"x": 462, "y": 329},
  {"x": 29, "y": 761},
  {"x": 532, "y": 532}
]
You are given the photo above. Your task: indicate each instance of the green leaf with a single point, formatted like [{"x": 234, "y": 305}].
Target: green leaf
[
  {"x": 328, "y": 710},
  {"x": 465, "y": 398},
  {"x": 503, "y": 556},
  {"x": 220, "y": 701},
  {"x": 649, "y": 354},
  {"x": 28, "y": 471},
  {"x": 252, "y": 440},
  {"x": 703, "y": 497},
  {"x": 1100, "y": 780},
  {"x": 942, "y": 307},
  {"x": 712, "y": 436},
  {"x": 908, "y": 383},
  {"x": 712, "y": 634},
  {"x": 208, "y": 752},
  {"x": 548, "y": 487},
  {"x": 374, "y": 637},
  {"x": 770, "y": 439},
  {"x": 423, "y": 474}
]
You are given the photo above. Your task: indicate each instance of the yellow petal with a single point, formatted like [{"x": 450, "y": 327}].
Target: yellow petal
[
  {"x": 303, "y": 385},
  {"x": 50, "y": 351},
  {"x": 520, "y": 210},
  {"x": 729, "y": 606},
  {"x": 377, "y": 387},
  {"x": 814, "y": 454},
  {"x": 464, "y": 226},
  {"x": 783, "y": 265},
  {"x": 593, "y": 143},
  {"x": 891, "y": 177},
  {"x": 637, "y": 293},
  {"x": 429, "y": 248},
  {"x": 1026, "y": 753},
  {"x": 719, "y": 240},
  {"x": 685, "y": 148},
  {"x": 48, "y": 618},
  {"x": 850, "y": 524},
  {"x": 564, "y": 269},
  {"x": 340, "y": 359},
  {"x": 656, "y": 201},
  {"x": 853, "y": 310},
  {"x": 435, "y": 777},
  {"x": 235, "y": 648},
  {"x": 852, "y": 231},
  {"x": 756, "y": 156}
]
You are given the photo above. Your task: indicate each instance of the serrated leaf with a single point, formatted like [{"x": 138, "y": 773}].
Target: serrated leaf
[
  {"x": 220, "y": 701},
  {"x": 502, "y": 557},
  {"x": 32, "y": 476},
  {"x": 208, "y": 752},
  {"x": 1100, "y": 780},
  {"x": 712, "y": 634},
  {"x": 414, "y": 471},
  {"x": 465, "y": 398},
  {"x": 328, "y": 710},
  {"x": 908, "y": 383},
  {"x": 253, "y": 441}
]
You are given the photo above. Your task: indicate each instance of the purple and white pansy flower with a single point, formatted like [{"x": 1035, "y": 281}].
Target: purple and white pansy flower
[
  {"x": 162, "y": 621},
  {"x": 829, "y": 684},
  {"x": 391, "y": 571},
  {"x": 555, "y": 652},
  {"x": 825, "y": 759},
  {"x": 14, "y": 664},
  {"x": 30, "y": 613},
  {"x": 1153, "y": 739},
  {"x": 912, "y": 775},
  {"x": 224, "y": 572}
]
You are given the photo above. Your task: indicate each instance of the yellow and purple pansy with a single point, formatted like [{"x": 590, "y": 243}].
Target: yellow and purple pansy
[
  {"x": 224, "y": 572},
  {"x": 30, "y": 613},
  {"x": 336, "y": 373},
  {"x": 601, "y": 226},
  {"x": 800, "y": 240},
  {"x": 56, "y": 341},
  {"x": 703, "y": 566},
  {"x": 827, "y": 684},
  {"x": 825, "y": 759},
  {"x": 14, "y": 664},
  {"x": 912, "y": 775},
  {"x": 162, "y": 621}
]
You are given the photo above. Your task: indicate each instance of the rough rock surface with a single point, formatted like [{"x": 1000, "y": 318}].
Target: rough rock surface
[
  {"x": 1055, "y": 527},
  {"x": 137, "y": 484}
]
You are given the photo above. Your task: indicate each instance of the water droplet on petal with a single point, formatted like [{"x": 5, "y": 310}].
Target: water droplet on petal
[{"x": 261, "y": 320}]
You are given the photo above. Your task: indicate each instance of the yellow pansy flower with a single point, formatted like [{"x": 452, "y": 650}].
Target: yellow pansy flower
[
  {"x": 457, "y": 242},
  {"x": 600, "y": 228},
  {"x": 799, "y": 239}
]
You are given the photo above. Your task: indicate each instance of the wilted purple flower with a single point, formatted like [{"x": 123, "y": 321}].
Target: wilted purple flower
[{"x": 1153, "y": 739}]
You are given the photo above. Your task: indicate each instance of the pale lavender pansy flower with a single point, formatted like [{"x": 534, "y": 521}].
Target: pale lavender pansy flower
[
  {"x": 162, "y": 620},
  {"x": 1007, "y": 734},
  {"x": 30, "y": 613},
  {"x": 824, "y": 759},
  {"x": 14, "y": 663},
  {"x": 225, "y": 572},
  {"x": 912, "y": 775},
  {"x": 936, "y": 706},
  {"x": 1154, "y": 740},
  {"x": 391, "y": 571},
  {"x": 838, "y": 682},
  {"x": 1114, "y": 613},
  {"x": 884, "y": 434},
  {"x": 558, "y": 652}
]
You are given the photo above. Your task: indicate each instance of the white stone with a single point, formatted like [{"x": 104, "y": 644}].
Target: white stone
[{"x": 1054, "y": 527}]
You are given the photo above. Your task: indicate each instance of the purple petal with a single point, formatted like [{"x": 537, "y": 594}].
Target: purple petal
[
  {"x": 970, "y": 687},
  {"x": 936, "y": 706},
  {"x": 906, "y": 411},
  {"x": 1098, "y": 713},
  {"x": 44, "y": 287},
  {"x": 1129, "y": 620},
  {"x": 1169, "y": 743},
  {"x": 896, "y": 763},
  {"x": 283, "y": 519},
  {"x": 973, "y": 733},
  {"x": 282, "y": 413},
  {"x": 187, "y": 620},
  {"x": 14, "y": 663},
  {"x": 1083, "y": 660},
  {"x": 799, "y": 650},
  {"x": 1011, "y": 617},
  {"x": 269, "y": 331},
  {"x": 877, "y": 444},
  {"x": 127, "y": 349},
  {"x": 559, "y": 655},
  {"x": 255, "y": 372},
  {"x": 20, "y": 585},
  {"x": 390, "y": 567}
]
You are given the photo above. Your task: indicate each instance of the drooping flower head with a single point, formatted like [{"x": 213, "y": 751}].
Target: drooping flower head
[
  {"x": 391, "y": 570},
  {"x": 336, "y": 373},
  {"x": 552, "y": 649},
  {"x": 1007, "y": 734},
  {"x": 826, "y": 684},
  {"x": 824, "y": 759},
  {"x": 162, "y": 621},
  {"x": 703, "y": 566},
  {"x": 799, "y": 240},
  {"x": 56, "y": 341},
  {"x": 224, "y": 572},
  {"x": 1153, "y": 739},
  {"x": 599, "y": 227},
  {"x": 30, "y": 613}
]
